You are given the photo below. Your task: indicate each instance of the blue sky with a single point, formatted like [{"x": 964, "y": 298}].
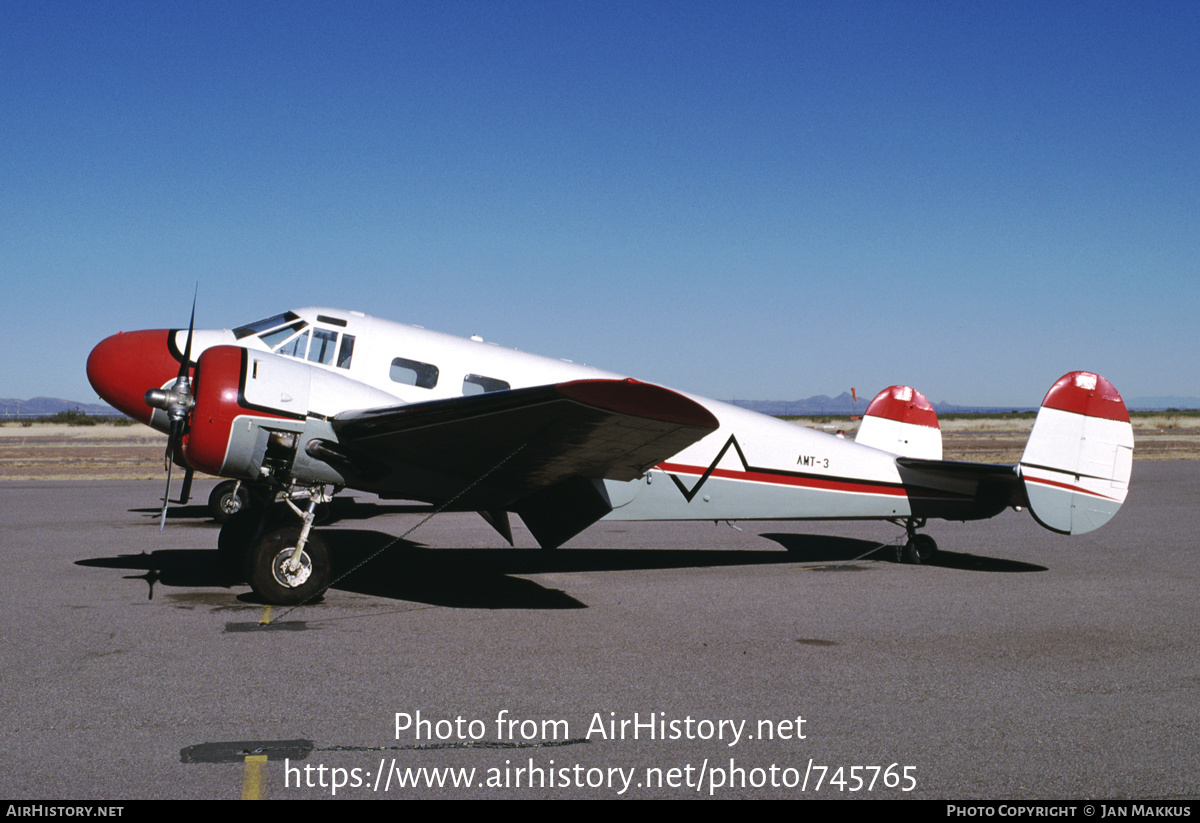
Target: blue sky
[{"x": 751, "y": 200}]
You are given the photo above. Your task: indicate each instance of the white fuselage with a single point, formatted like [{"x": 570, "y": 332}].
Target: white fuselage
[{"x": 752, "y": 467}]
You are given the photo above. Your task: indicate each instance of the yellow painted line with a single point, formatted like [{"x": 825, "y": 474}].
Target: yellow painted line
[
  {"x": 252, "y": 777},
  {"x": 266, "y": 616}
]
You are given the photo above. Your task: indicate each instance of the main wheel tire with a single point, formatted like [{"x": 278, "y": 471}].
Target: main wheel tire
[
  {"x": 224, "y": 502},
  {"x": 274, "y": 581},
  {"x": 920, "y": 549}
]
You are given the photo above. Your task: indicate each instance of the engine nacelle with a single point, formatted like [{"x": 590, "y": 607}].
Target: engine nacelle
[{"x": 255, "y": 413}]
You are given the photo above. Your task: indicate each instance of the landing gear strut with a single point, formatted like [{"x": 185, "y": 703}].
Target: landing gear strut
[{"x": 286, "y": 564}]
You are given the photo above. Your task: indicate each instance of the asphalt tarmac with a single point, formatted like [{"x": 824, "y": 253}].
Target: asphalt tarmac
[{"x": 641, "y": 660}]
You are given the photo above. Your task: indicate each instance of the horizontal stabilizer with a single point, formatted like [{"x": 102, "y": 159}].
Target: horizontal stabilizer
[
  {"x": 1077, "y": 462},
  {"x": 901, "y": 421}
]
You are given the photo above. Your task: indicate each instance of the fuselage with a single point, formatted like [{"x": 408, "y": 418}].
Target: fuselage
[{"x": 751, "y": 467}]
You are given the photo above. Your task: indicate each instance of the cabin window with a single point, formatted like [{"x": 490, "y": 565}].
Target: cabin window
[
  {"x": 324, "y": 342},
  {"x": 478, "y": 384},
  {"x": 414, "y": 373},
  {"x": 346, "y": 352}
]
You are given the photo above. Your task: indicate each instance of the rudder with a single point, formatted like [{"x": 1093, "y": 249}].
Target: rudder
[{"x": 1079, "y": 457}]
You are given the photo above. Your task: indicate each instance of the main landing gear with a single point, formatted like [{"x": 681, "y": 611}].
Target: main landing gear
[
  {"x": 919, "y": 548},
  {"x": 286, "y": 564}
]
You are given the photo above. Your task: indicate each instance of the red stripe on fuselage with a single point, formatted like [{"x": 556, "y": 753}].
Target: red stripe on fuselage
[{"x": 808, "y": 481}]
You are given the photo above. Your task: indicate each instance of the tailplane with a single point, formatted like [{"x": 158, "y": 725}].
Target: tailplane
[{"x": 1077, "y": 462}]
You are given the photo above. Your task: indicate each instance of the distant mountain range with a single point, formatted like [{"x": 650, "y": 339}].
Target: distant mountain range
[
  {"x": 845, "y": 405},
  {"x": 842, "y": 405},
  {"x": 39, "y": 406}
]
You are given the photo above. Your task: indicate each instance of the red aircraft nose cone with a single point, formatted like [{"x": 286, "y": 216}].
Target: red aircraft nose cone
[{"x": 122, "y": 367}]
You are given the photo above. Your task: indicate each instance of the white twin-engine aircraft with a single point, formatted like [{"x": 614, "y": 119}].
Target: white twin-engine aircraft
[{"x": 306, "y": 403}]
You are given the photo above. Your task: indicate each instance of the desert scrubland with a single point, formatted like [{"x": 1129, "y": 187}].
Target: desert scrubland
[
  {"x": 43, "y": 451},
  {"x": 1001, "y": 439}
]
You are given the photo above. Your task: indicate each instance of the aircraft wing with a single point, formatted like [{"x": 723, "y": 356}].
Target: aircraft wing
[{"x": 539, "y": 451}]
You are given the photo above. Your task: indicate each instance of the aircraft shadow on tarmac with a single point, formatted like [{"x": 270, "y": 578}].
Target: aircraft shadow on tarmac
[
  {"x": 808, "y": 548},
  {"x": 463, "y": 578},
  {"x": 489, "y": 578},
  {"x": 404, "y": 571},
  {"x": 817, "y": 548}
]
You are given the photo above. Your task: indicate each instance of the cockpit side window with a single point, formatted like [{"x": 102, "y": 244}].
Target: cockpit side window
[
  {"x": 292, "y": 339},
  {"x": 414, "y": 373},
  {"x": 324, "y": 342},
  {"x": 478, "y": 384}
]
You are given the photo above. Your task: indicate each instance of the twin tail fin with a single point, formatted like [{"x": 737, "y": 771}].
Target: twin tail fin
[{"x": 1079, "y": 457}]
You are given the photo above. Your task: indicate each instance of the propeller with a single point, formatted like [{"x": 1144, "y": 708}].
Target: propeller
[{"x": 177, "y": 401}]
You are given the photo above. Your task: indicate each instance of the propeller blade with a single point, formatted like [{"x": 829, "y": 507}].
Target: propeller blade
[
  {"x": 187, "y": 349},
  {"x": 169, "y": 453},
  {"x": 173, "y": 437},
  {"x": 177, "y": 402},
  {"x": 162, "y": 523}
]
